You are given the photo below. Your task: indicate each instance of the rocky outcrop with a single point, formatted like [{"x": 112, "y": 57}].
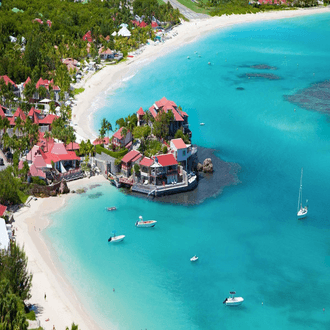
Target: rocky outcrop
[
  {"x": 64, "y": 188},
  {"x": 208, "y": 165},
  {"x": 199, "y": 167}
]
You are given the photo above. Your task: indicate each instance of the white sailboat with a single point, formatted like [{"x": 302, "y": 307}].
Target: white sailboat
[{"x": 301, "y": 210}]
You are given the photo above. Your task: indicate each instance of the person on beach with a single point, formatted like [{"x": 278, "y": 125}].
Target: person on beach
[{"x": 45, "y": 296}]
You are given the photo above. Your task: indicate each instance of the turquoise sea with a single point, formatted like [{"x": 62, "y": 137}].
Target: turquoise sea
[{"x": 248, "y": 239}]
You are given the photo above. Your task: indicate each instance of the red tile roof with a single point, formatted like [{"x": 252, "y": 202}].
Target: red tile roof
[
  {"x": 2, "y": 210},
  {"x": 49, "y": 23},
  {"x": 101, "y": 141},
  {"x": 27, "y": 81},
  {"x": 88, "y": 36},
  {"x": 7, "y": 80},
  {"x": 154, "y": 24},
  {"x": 140, "y": 112},
  {"x": 105, "y": 52},
  {"x": 166, "y": 160},
  {"x": 143, "y": 24},
  {"x": 2, "y": 113},
  {"x": 72, "y": 146},
  {"x": 39, "y": 161},
  {"x": 46, "y": 83},
  {"x": 118, "y": 133},
  {"x": 131, "y": 156},
  {"x": 48, "y": 120},
  {"x": 146, "y": 162},
  {"x": 37, "y": 172},
  {"x": 19, "y": 113},
  {"x": 179, "y": 143},
  {"x": 166, "y": 105},
  {"x": 32, "y": 111}
]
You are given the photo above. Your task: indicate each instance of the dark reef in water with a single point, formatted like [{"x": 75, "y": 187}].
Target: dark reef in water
[
  {"x": 316, "y": 97},
  {"x": 92, "y": 186},
  {"x": 94, "y": 196},
  {"x": 210, "y": 185},
  {"x": 268, "y": 76},
  {"x": 260, "y": 67},
  {"x": 240, "y": 88}
]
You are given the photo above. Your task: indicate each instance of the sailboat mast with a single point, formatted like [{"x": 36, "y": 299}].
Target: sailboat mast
[{"x": 300, "y": 192}]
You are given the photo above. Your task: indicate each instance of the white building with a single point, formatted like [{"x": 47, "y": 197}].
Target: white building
[{"x": 4, "y": 235}]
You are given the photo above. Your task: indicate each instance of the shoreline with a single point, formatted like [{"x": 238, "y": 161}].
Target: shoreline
[
  {"x": 111, "y": 77},
  {"x": 62, "y": 306}
]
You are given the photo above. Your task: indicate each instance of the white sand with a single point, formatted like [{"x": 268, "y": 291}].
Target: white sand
[{"x": 61, "y": 306}]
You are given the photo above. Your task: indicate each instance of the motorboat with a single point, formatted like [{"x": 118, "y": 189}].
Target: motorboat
[
  {"x": 114, "y": 238},
  {"x": 232, "y": 300},
  {"x": 301, "y": 210},
  {"x": 145, "y": 223},
  {"x": 202, "y": 124},
  {"x": 194, "y": 258},
  {"x": 111, "y": 208}
]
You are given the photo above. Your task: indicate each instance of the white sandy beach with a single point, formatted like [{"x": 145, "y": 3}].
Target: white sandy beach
[{"x": 61, "y": 306}]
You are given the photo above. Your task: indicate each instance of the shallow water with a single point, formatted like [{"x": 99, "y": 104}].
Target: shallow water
[{"x": 248, "y": 238}]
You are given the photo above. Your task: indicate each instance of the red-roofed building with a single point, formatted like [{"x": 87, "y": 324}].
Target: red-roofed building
[
  {"x": 7, "y": 81},
  {"x": 182, "y": 152},
  {"x": 119, "y": 140},
  {"x": 106, "y": 54},
  {"x": 145, "y": 169},
  {"x": 2, "y": 111},
  {"x": 154, "y": 25},
  {"x": 34, "y": 171},
  {"x": 143, "y": 24},
  {"x": 180, "y": 117},
  {"x": 47, "y": 84},
  {"x": 26, "y": 81},
  {"x": 2, "y": 210},
  {"x": 18, "y": 113},
  {"x": 48, "y": 120},
  {"x": 88, "y": 37},
  {"x": 131, "y": 158},
  {"x": 101, "y": 141},
  {"x": 56, "y": 154},
  {"x": 164, "y": 170},
  {"x": 140, "y": 113},
  {"x": 72, "y": 146},
  {"x": 49, "y": 23}
]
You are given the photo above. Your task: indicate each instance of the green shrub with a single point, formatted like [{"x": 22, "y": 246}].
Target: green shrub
[
  {"x": 115, "y": 154},
  {"x": 37, "y": 180},
  {"x": 31, "y": 316}
]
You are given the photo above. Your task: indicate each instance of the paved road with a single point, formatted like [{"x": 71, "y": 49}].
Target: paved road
[{"x": 188, "y": 13}]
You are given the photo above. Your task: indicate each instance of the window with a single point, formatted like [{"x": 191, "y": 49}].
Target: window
[{"x": 184, "y": 152}]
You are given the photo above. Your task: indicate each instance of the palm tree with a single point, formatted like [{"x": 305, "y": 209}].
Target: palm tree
[{"x": 90, "y": 149}]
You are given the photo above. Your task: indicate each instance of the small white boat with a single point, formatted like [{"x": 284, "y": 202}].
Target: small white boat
[
  {"x": 111, "y": 208},
  {"x": 146, "y": 223},
  {"x": 232, "y": 300},
  {"x": 202, "y": 124},
  {"x": 194, "y": 258},
  {"x": 116, "y": 239},
  {"x": 301, "y": 210},
  {"x": 188, "y": 57}
]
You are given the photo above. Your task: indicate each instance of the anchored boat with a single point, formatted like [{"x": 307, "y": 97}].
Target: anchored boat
[
  {"x": 115, "y": 239},
  {"x": 232, "y": 300},
  {"x": 145, "y": 223}
]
